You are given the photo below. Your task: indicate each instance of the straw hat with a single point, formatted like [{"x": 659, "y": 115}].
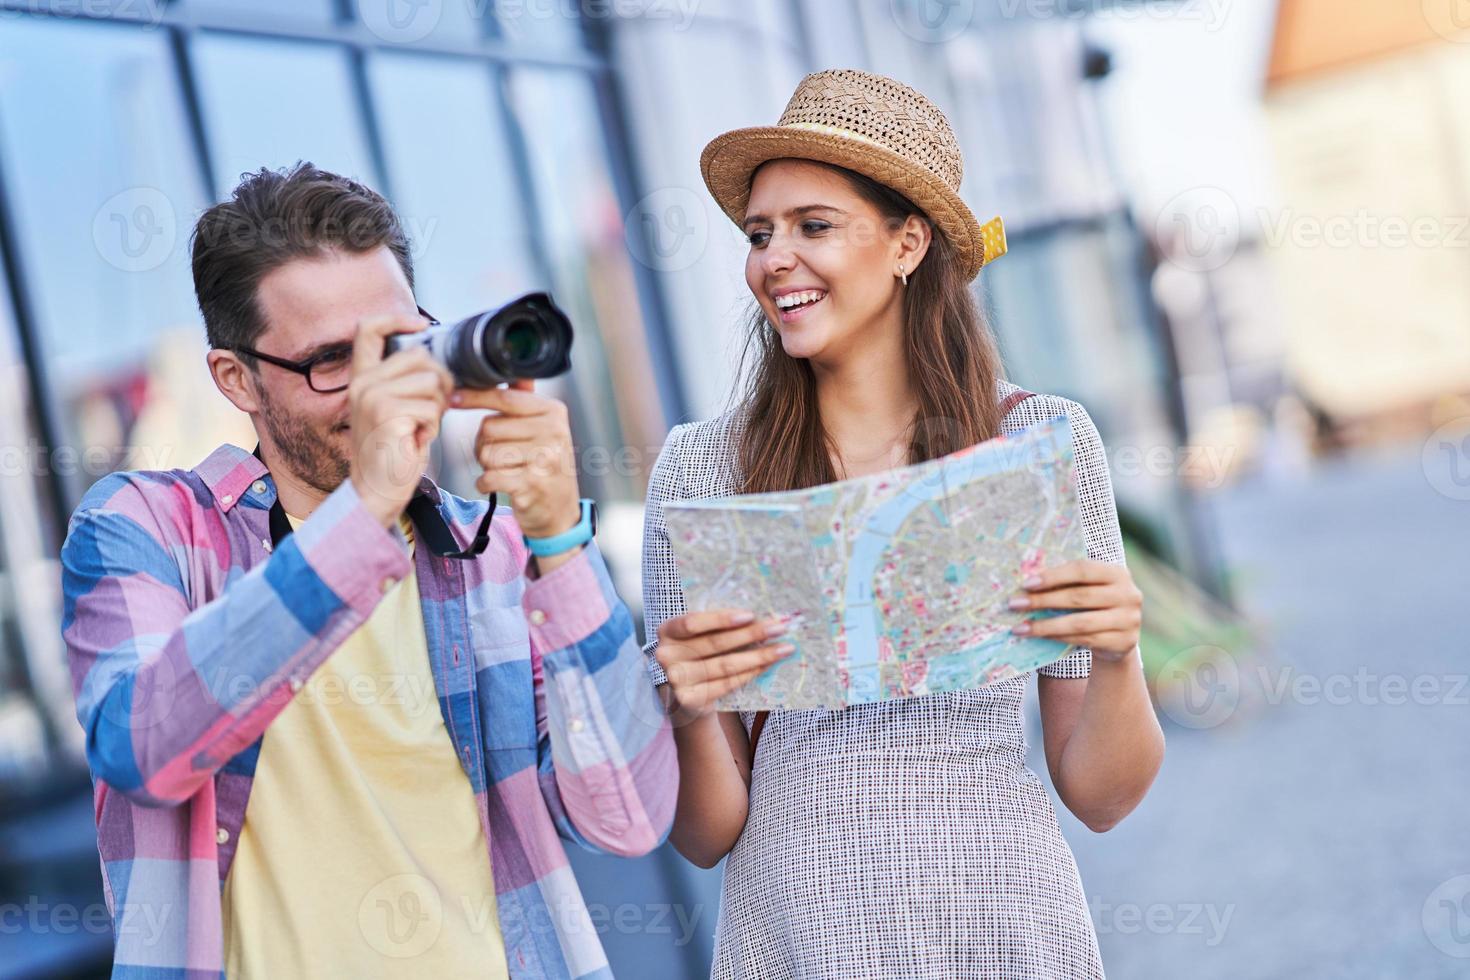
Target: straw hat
[{"x": 871, "y": 124}]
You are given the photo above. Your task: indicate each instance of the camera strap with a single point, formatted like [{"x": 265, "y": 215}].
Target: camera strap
[{"x": 428, "y": 523}]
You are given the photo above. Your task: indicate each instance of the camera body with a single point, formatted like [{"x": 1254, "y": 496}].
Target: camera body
[{"x": 529, "y": 337}]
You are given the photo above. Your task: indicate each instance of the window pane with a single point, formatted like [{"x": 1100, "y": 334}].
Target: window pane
[
  {"x": 543, "y": 23},
  {"x": 454, "y": 187},
  {"x": 406, "y": 22},
  {"x": 315, "y": 12},
  {"x": 697, "y": 253},
  {"x": 271, "y": 103},
  {"x": 103, "y": 184},
  {"x": 32, "y": 666},
  {"x": 453, "y": 182},
  {"x": 583, "y": 226}
]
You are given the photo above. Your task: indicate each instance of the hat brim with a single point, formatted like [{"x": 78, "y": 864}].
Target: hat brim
[{"x": 730, "y": 160}]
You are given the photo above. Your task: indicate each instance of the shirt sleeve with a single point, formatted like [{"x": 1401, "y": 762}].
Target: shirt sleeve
[
  {"x": 606, "y": 761},
  {"x": 166, "y": 691},
  {"x": 663, "y": 596},
  {"x": 1099, "y": 520}
]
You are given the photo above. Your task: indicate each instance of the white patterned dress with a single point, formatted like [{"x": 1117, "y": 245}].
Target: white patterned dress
[{"x": 901, "y": 839}]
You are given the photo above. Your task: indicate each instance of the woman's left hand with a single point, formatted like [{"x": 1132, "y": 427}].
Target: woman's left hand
[{"x": 1112, "y": 607}]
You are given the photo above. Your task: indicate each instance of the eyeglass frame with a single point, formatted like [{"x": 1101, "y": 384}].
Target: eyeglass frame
[
  {"x": 280, "y": 526},
  {"x": 303, "y": 367}
]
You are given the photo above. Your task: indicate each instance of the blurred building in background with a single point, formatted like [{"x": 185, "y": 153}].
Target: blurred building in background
[
  {"x": 554, "y": 144},
  {"x": 1372, "y": 149}
]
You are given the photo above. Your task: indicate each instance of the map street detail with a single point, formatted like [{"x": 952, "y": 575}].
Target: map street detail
[{"x": 897, "y": 583}]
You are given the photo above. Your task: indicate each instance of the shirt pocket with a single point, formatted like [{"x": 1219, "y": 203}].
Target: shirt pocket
[{"x": 505, "y": 684}]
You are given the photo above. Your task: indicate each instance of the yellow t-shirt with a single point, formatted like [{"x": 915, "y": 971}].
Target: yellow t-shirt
[{"x": 362, "y": 853}]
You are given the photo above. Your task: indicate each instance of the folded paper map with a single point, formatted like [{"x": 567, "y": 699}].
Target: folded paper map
[{"x": 898, "y": 583}]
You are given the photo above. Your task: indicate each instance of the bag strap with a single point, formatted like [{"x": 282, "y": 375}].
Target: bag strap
[
  {"x": 759, "y": 721},
  {"x": 756, "y": 724},
  {"x": 1013, "y": 399}
]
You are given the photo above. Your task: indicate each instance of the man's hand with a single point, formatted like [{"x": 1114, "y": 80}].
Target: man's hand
[
  {"x": 526, "y": 453},
  {"x": 396, "y": 406}
]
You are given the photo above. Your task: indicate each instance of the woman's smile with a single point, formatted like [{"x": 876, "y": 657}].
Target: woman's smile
[{"x": 793, "y": 305}]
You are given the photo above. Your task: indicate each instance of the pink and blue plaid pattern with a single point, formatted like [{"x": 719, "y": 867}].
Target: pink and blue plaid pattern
[{"x": 187, "y": 634}]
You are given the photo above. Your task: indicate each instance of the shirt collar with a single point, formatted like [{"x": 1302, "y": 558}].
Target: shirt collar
[{"x": 230, "y": 472}]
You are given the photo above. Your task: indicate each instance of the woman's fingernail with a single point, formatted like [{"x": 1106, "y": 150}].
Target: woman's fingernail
[
  {"x": 742, "y": 618},
  {"x": 1021, "y": 628},
  {"x": 1032, "y": 581},
  {"x": 783, "y": 650},
  {"x": 775, "y": 629},
  {"x": 1020, "y": 603}
]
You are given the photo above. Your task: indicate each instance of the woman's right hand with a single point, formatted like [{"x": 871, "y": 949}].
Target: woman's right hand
[{"x": 706, "y": 655}]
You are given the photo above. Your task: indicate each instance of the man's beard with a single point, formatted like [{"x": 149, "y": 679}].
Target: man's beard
[{"x": 311, "y": 457}]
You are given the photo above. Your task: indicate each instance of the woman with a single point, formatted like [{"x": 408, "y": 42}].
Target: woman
[{"x": 904, "y": 838}]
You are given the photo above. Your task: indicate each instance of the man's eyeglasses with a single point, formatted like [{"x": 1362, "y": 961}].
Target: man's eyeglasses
[{"x": 328, "y": 371}]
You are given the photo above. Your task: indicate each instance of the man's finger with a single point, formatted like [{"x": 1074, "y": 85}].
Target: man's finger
[
  {"x": 367, "y": 345},
  {"x": 417, "y": 384},
  {"x": 511, "y": 428},
  {"x": 409, "y": 408},
  {"x": 506, "y": 401},
  {"x": 523, "y": 384}
]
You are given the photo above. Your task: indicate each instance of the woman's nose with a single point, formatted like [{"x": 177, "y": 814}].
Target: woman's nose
[{"x": 777, "y": 257}]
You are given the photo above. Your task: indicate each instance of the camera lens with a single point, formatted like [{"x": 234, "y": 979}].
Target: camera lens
[
  {"x": 527, "y": 338},
  {"x": 522, "y": 342}
]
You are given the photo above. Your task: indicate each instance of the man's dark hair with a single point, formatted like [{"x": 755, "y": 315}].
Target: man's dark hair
[{"x": 275, "y": 217}]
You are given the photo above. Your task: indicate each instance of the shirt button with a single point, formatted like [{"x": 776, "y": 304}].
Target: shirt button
[
  {"x": 228, "y": 498},
  {"x": 258, "y": 486},
  {"x": 222, "y": 836},
  {"x": 537, "y": 617},
  {"x": 576, "y": 724},
  {"x": 296, "y": 684}
]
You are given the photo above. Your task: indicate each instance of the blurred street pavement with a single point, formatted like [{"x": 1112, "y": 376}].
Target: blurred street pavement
[{"x": 1310, "y": 833}]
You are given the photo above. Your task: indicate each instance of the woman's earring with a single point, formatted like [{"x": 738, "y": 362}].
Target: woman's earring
[{"x": 903, "y": 274}]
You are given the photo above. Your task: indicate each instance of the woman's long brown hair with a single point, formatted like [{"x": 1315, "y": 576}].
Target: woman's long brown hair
[{"x": 952, "y": 358}]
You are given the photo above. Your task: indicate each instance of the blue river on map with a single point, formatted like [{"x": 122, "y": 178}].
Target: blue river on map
[{"x": 862, "y": 623}]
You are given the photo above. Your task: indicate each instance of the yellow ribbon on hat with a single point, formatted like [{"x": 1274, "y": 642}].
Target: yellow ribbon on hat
[{"x": 992, "y": 241}]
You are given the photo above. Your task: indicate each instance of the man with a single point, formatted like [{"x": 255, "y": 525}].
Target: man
[{"x": 321, "y": 745}]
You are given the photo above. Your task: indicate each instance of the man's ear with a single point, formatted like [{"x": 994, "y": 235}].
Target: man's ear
[{"x": 234, "y": 380}]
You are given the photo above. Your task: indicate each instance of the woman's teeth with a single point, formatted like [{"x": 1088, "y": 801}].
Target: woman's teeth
[{"x": 793, "y": 300}]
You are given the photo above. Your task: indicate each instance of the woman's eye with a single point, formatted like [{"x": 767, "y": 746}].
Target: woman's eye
[
  {"x": 758, "y": 238},
  {"x": 814, "y": 227}
]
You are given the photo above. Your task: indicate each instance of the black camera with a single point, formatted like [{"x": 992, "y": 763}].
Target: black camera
[{"x": 526, "y": 338}]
